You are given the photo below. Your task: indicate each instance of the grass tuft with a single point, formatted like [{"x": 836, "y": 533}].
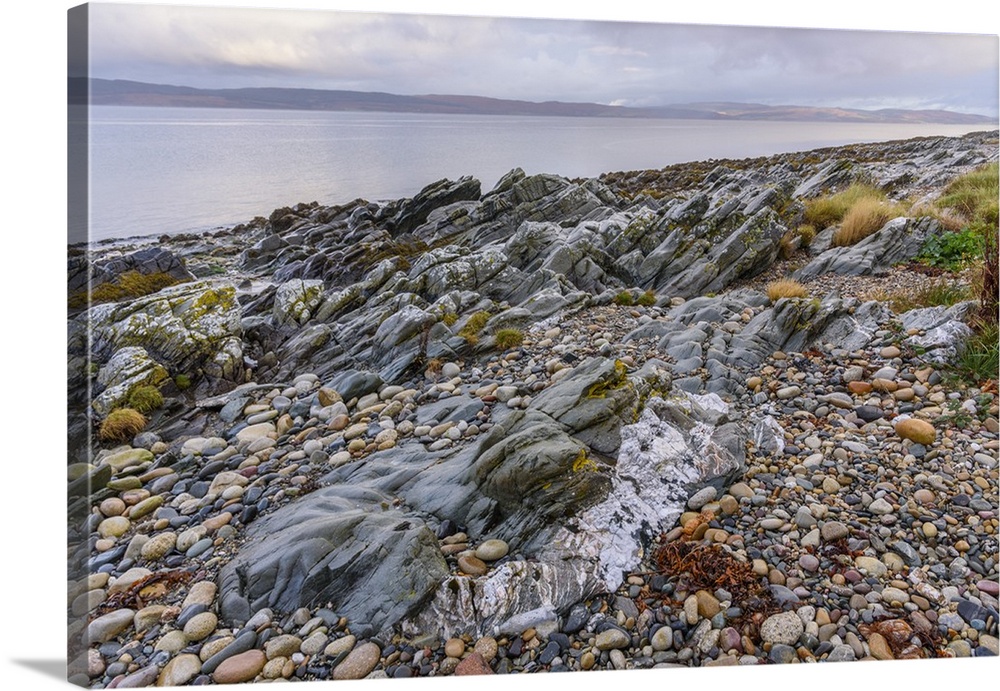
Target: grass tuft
[
  {"x": 978, "y": 361},
  {"x": 647, "y": 299},
  {"x": 121, "y": 425},
  {"x": 473, "y": 327},
  {"x": 508, "y": 338},
  {"x": 864, "y": 218},
  {"x": 785, "y": 288},
  {"x": 144, "y": 399},
  {"x": 624, "y": 299},
  {"x": 824, "y": 212},
  {"x": 938, "y": 293}
]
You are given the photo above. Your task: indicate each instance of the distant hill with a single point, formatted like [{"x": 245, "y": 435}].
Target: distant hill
[{"x": 129, "y": 93}]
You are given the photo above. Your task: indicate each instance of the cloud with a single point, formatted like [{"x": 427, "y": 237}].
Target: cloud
[{"x": 538, "y": 59}]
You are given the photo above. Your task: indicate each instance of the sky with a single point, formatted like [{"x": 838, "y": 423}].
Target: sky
[{"x": 611, "y": 62}]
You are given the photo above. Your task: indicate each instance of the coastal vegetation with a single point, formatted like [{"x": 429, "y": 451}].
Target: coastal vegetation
[
  {"x": 121, "y": 425},
  {"x": 144, "y": 399},
  {"x": 785, "y": 288},
  {"x": 474, "y": 326},
  {"x": 975, "y": 197},
  {"x": 508, "y": 338},
  {"x": 131, "y": 284}
]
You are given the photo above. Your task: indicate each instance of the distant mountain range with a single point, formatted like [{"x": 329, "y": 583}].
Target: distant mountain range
[{"x": 129, "y": 93}]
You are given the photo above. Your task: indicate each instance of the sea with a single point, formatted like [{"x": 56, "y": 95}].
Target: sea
[{"x": 155, "y": 171}]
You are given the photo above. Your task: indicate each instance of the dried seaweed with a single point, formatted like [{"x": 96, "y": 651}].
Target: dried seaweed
[
  {"x": 903, "y": 641},
  {"x": 131, "y": 598},
  {"x": 841, "y": 556},
  {"x": 711, "y": 567},
  {"x": 708, "y": 567}
]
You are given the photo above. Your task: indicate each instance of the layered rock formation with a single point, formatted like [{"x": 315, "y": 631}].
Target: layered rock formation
[{"x": 352, "y": 426}]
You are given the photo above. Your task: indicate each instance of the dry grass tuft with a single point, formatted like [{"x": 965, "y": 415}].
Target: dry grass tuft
[
  {"x": 121, "y": 425},
  {"x": 827, "y": 211},
  {"x": 865, "y": 217},
  {"x": 785, "y": 288}
]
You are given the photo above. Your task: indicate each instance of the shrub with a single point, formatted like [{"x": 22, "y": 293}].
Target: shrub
[
  {"x": 864, "y": 218},
  {"x": 121, "y": 425},
  {"x": 974, "y": 195},
  {"x": 785, "y": 288},
  {"x": 989, "y": 276},
  {"x": 144, "y": 399},
  {"x": 508, "y": 338},
  {"x": 952, "y": 250},
  {"x": 807, "y": 233},
  {"x": 624, "y": 299},
  {"x": 182, "y": 382}
]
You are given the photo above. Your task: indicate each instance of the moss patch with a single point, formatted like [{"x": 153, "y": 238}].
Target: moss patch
[{"x": 130, "y": 284}]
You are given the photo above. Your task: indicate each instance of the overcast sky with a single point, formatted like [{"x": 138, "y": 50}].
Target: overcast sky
[{"x": 627, "y": 63}]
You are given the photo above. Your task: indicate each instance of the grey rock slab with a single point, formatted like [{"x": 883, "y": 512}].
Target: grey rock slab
[
  {"x": 335, "y": 545},
  {"x": 898, "y": 240}
]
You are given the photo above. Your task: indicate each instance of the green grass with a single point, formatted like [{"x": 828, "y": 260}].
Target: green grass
[
  {"x": 973, "y": 194},
  {"x": 508, "y": 338},
  {"x": 144, "y": 399},
  {"x": 824, "y": 212},
  {"x": 974, "y": 197},
  {"x": 182, "y": 382},
  {"x": 647, "y": 299},
  {"x": 624, "y": 299},
  {"x": 936, "y": 294},
  {"x": 473, "y": 327},
  {"x": 978, "y": 361}
]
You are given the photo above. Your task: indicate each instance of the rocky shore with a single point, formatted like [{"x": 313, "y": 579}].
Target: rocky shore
[{"x": 555, "y": 426}]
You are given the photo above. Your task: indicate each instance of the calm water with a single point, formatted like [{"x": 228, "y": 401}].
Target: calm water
[{"x": 166, "y": 170}]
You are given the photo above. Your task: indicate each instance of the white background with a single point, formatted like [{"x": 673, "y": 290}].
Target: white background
[{"x": 32, "y": 383}]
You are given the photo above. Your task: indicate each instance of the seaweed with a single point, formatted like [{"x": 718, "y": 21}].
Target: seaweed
[{"x": 133, "y": 598}]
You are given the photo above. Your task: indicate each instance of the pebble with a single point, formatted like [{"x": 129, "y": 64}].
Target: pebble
[
  {"x": 454, "y": 647},
  {"x": 358, "y": 663},
  {"x": 784, "y": 628},
  {"x": 179, "y": 671},
  {"x": 340, "y": 645},
  {"x": 472, "y": 665},
  {"x": 611, "y": 639},
  {"x": 916, "y": 430},
  {"x": 472, "y": 565},
  {"x": 201, "y": 626},
  {"x": 491, "y": 550},
  {"x": 240, "y": 668}
]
